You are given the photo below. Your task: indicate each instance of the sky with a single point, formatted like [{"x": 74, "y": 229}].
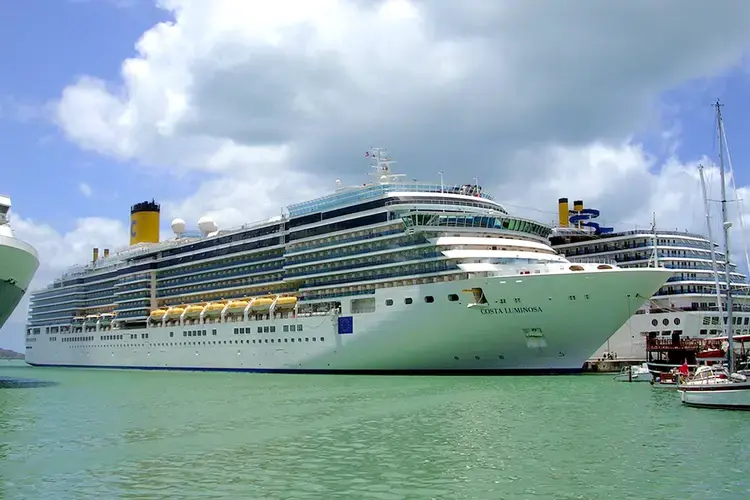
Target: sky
[{"x": 234, "y": 109}]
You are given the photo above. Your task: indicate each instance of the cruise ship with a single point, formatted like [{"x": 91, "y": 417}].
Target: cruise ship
[
  {"x": 18, "y": 264},
  {"x": 685, "y": 308},
  {"x": 391, "y": 276}
]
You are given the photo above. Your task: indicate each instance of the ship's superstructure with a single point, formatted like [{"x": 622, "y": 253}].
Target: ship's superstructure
[
  {"x": 686, "y": 307},
  {"x": 390, "y": 276},
  {"x": 18, "y": 264}
]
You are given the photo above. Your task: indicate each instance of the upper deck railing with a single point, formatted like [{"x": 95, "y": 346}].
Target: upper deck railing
[{"x": 371, "y": 192}]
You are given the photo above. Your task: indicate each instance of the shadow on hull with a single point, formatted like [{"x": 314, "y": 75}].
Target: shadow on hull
[{"x": 10, "y": 296}]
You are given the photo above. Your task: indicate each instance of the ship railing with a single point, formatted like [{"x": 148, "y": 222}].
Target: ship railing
[
  {"x": 605, "y": 259},
  {"x": 447, "y": 201},
  {"x": 682, "y": 344},
  {"x": 368, "y": 193},
  {"x": 22, "y": 245}
]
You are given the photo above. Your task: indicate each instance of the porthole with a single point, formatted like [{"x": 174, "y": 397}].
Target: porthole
[
  {"x": 407, "y": 300},
  {"x": 429, "y": 299},
  {"x": 676, "y": 321},
  {"x": 665, "y": 321},
  {"x": 654, "y": 322},
  {"x": 389, "y": 302},
  {"x": 453, "y": 297}
]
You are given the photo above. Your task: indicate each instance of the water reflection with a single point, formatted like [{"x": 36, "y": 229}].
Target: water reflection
[{"x": 144, "y": 435}]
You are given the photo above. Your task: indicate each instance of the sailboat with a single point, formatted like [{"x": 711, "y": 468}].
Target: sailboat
[{"x": 722, "y": 387}]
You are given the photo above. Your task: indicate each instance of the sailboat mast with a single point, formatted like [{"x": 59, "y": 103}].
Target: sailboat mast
[
  {"x": 714, "y": 265},
  {"x": 655, "y": 240},
  {"x": 726, "y": 225}
]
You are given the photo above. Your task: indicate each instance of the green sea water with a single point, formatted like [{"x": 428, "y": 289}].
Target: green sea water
[{"x": 194, "y": 435}]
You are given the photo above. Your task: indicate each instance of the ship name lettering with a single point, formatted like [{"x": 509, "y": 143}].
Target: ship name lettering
[{"x": 512, "y": 310}]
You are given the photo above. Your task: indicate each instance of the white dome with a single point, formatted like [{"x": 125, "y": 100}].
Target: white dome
[
  {"x": 178, "y": 226},
  {"x": 207, "y": 225}
]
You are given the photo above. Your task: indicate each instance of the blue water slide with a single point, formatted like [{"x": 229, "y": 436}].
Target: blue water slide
[{"x": 585, "y": 216}]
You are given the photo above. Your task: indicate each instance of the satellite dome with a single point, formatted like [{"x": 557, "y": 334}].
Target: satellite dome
[
  {"x": 207, "y": 225},
  {"x": 178, "y": 226}
]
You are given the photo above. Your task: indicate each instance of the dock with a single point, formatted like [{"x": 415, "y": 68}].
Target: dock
[{"x": 609, "y": 365}]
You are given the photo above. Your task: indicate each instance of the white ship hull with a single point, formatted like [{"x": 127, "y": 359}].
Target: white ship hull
[
  {"x": 18, "y": 264},
  {"x": 547, "y": 323}
]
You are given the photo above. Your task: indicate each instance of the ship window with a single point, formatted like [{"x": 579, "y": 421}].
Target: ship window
[
  {"x": 704, "y": 332},
  {"x": 213, "y": 331},
  {"x": 389, "y": 302},
  {"x": 676, "y": 321},
  {"x": 273, "y": 329},
  {"x": 242, "y": 330},
  {"x": 236, "y": 331},
  {"x": 665, "y": 321},
  {"x": 307, "y": 339},
  {"x": 453, "y": 297},
  {"x": 429, "y": 299},
  {"x": 746, "y": 320},
  {"x": 292, "y": 328},
  {"x": 265, "y": 329},
  {"x": 407, "y": 300},
  {"x": 321, "y": 339},
  {"x": 184, "y": 334},
  {"x": 286, "y": 328},
  {"x": 299, "y": 328},
  {"x": 654, "y": 322},
  {"x": 292, "y": 340}
]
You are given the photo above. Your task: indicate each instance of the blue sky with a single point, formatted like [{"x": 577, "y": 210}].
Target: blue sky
[
  {"x": 42, "y": 55},
  {"x": 241, "y": 150}
]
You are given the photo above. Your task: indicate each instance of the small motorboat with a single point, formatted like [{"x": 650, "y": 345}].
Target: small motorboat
[
  {"x": 634, "y": 373},
  {"x": 715, "y": 387}
]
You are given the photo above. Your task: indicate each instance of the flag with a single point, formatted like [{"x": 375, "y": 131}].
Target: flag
[{"x": 367, "y": 154}]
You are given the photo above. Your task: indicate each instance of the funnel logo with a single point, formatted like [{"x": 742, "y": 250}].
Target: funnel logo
[
  {"x": 132, "y": 228},
  {"x": 584, "y": 217}
]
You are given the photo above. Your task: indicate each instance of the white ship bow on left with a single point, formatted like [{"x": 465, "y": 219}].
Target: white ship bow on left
[{"x": 18, "y": 264}]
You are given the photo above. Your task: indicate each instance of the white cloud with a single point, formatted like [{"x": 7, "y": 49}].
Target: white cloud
[
  {"x": 273, "y": 101},
  {"x": 57, "y": 254},
  {"x": 85, "y": 189}
]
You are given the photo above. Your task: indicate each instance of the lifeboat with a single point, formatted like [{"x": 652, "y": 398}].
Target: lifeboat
[
  {"x": 194, "y": 310},
  {"x": 261, "y": 304},
  {"x": 175, "y": 312},
  {"x": 78, "y": 320},
  {"x": 106, "y": 318},
  {"x": 237, "y": 306},
  {"x": 157, "y": 314},
  {"x": 91, "y": 319},
  {"x": 214, "y": 309},
  {"x": 286, "y": 303}
]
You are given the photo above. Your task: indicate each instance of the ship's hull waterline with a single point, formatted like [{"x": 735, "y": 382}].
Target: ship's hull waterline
[{"x": 546, "y": 323}]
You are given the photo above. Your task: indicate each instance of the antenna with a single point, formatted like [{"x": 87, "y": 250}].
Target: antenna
[{"x": 381, "y": 162}]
